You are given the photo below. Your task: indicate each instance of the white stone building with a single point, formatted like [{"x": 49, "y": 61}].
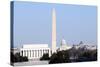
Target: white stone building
[
  {"x": 64, "y": 46},
  {"x": 34, "y": 51}
]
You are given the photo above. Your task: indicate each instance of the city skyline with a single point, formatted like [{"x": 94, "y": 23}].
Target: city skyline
[{"x": 33, "y": 24}]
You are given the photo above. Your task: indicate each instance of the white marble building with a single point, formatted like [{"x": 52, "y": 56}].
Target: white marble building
[
  {"x": 64, "y": 46},
  {"x": 34, "y": 51}
]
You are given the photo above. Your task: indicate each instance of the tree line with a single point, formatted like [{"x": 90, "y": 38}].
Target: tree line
[{"x": 71, "y": 55}]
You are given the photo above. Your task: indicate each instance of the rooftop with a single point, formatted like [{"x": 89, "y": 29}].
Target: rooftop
[{"x": 35, "y": 46}]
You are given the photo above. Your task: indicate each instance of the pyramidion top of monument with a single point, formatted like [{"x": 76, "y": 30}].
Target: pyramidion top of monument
[{"x": 35, "y": 46}]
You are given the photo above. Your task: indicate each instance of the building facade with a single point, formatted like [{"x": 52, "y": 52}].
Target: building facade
[
  {"x": 64, "y": 46},
  {"x": 35, "y": 51}
]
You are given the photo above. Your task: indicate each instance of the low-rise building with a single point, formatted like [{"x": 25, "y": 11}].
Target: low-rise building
[{"x": 34, "y": 51}]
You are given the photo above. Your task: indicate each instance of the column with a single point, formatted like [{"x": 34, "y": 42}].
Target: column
[
  {"x": 42, "y": 52},
  {"x": 24, "y": 53},
  {"x": 49, "y": 52},
  {"x": 28, "y": 53},
  {"x": 38, "y": 53}
]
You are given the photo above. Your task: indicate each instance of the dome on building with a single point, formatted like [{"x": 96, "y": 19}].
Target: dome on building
[
  {"x": 63, "y": 45},
  {"x": 63, "y": 42}
]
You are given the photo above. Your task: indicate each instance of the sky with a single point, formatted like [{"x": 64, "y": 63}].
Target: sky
[{"x": 74, "y": 23}]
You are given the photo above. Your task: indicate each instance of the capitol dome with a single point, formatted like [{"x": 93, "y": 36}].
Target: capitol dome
[
  {"x": 63, "y": 42},
  {"x": 64, "y": 45}
]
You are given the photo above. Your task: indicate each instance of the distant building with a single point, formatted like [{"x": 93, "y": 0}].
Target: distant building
[
  {"x": 64, "y": 46},
  {"x": 34, "y": 51},
  {"x": 85, "y": 46}
]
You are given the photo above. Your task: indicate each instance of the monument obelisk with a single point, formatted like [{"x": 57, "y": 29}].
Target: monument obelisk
[{"x": 53, "y": 31}]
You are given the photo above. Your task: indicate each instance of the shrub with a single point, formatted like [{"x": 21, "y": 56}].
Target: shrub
[
  {"x": 17, "y": 58},
  {"x": 60, "y": 57},
  {"x": 45, "y": 57}
]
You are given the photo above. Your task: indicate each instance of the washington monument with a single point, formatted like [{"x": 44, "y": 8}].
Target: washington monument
[{"x": 53, "y": 31}]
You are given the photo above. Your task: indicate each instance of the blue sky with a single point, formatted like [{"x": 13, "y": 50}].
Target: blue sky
[{"x": 33, "y": 23}]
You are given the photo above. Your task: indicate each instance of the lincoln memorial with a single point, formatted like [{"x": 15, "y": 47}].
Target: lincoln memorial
[{"x": 34, "y": 51}]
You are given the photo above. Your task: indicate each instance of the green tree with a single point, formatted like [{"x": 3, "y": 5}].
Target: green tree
[
  {"x": 17, "y": 58},
  {"x": 45, "y": 57},
  {"x": 60, "y": 57}
]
